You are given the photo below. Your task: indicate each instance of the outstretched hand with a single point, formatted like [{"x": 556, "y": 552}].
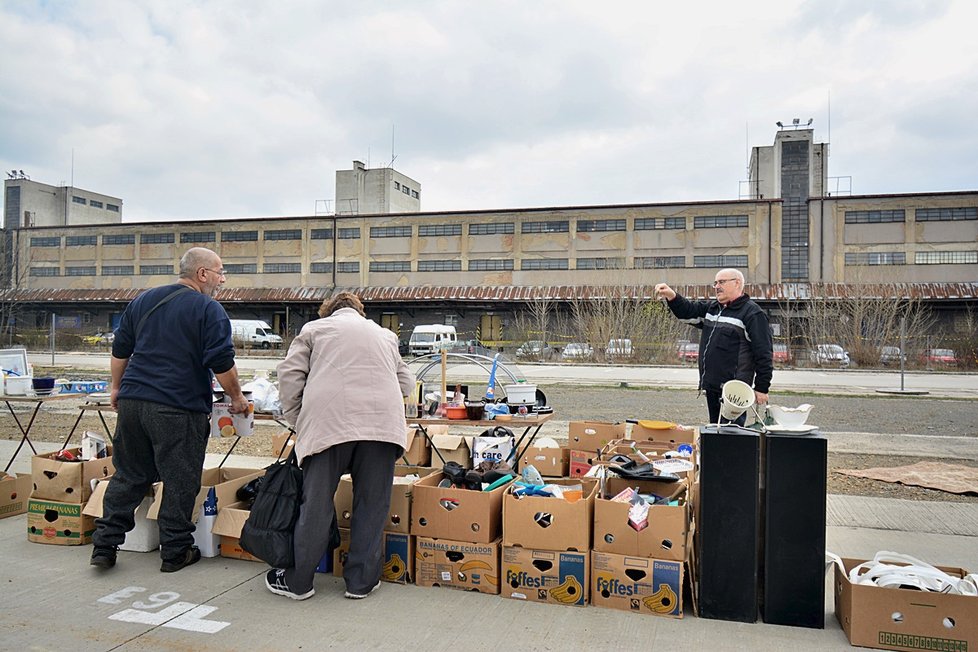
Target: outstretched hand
[{"x": 663, "y": 291}]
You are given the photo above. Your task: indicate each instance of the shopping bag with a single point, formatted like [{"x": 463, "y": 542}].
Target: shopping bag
[{"x": 268, "y": 532}]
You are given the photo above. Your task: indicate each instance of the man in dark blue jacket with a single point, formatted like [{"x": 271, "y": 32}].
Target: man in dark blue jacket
[
  {"x": 735, "y": 342},
  {"x": 169, "y": 341}
]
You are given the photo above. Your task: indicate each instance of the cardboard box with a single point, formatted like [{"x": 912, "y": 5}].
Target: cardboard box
[
  {"x": 868, "y": 615},
  {"x": 225, "y": 424},
  {"x": 282, "y": 444},
  {"x": 456, "y": 514},
  {"x": 418, "y": 451},
  {"x": 453, "y": 448},
  {"x": 457, "y": 564},
  {"x": 224, "y": 480},
  {"x": 230, "y": 519},
  {"x": 549, "y": 523},
  {"x": 668, "y": 526},
  {"x": 554, "y": 577},
  {"x": 592, "y": 436},
  {"x": 580, "y": 462},
  {"x": 399, "y": 513},
  {"x": 637, "y": 584},
  {"x": 676, "y": 435},
  {"x": 67, "y": 482},
  {"x": 15, "y": 490},
  {"x": 398, "y": 553},
  {"x": 145, "y": 536},
  {"x": 550, "y": 462},
  {"x": 57, "y": 523}
]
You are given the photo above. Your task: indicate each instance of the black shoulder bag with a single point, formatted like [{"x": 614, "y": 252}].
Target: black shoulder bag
[{"x": 269, "y": 530}]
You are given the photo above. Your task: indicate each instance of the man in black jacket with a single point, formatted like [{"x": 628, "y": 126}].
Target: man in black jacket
[{"x": 735, "y": 342}]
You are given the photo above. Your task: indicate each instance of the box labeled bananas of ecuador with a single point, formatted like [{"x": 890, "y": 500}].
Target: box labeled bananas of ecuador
[
  {"x": 637, "y": 584},
  {"x": 554, "y": 576},
  {"x": 398, "y": 566},
  {"x": 457, "y": 564}
]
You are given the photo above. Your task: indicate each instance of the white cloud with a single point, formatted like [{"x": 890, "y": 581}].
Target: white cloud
[{"x": 190, "y": 109}]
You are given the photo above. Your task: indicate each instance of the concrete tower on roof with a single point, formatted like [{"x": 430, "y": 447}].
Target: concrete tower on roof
[{"x": 363, "y": 191}]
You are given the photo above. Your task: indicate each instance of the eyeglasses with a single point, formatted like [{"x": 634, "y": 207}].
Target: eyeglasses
[
  {"x": 720, "y": 281},
  {"x": 219, "y": 272}
]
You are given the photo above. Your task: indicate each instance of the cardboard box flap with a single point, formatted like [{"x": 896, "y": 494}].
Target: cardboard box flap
[
  {"x": 94, "y": 505},
  {"x": 225, "y": 480},
  {"x": 230, "y": 520},
  {"x": 449, "y": 442}
]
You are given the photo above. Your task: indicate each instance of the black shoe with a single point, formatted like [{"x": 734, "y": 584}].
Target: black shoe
[
  {"x": 103, "y": 557},
  {"x": 190, "y": 556},
  {"x": 275, "y": 582}
]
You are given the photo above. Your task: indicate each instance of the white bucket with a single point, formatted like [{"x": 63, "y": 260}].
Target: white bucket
[
  {"x": 18, "y": 385},
  {"x": 521, "y": 394},
  {"x": 736, "y": 397}
]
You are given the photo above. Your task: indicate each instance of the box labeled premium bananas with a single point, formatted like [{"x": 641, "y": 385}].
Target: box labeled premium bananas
[
  {"x": 553, "y": 576},
  {"x": 652, "y": 587},
  {"x": 398, "y": 564},
  {"x": 457, "y": 564}
]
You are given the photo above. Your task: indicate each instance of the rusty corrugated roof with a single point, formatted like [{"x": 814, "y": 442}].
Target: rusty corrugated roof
[{"x": 515, "y": 294}]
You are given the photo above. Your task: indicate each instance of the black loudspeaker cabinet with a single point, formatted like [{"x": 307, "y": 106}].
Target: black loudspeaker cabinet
[
  {"x": 729, "y": 523},
  {"x": 794, "y": 530}
]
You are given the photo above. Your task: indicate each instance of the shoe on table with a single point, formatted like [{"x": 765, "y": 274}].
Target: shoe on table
[
  {"x": 103, "y": 557},
  {"x": 361, "y": 596},
  {"x": 189, "y": 556},
  {"x": 275, "y": 581}
]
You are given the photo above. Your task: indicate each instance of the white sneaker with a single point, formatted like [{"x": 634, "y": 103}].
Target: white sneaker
[{"x": 361, "y": 596}]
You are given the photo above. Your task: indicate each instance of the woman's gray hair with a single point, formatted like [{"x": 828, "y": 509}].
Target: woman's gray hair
[{"x": 194, "y": 259}]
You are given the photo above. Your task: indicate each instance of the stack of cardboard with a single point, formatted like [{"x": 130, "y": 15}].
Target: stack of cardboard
[
  {"x": 586, "y": 439},
  {"x": 61, "y": 490}
]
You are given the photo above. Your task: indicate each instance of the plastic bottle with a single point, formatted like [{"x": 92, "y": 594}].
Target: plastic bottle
[{"x": 204, "y": 537}]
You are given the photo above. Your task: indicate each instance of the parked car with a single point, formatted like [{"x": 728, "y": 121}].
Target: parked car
[
  {"x": 829, "y": 355},
  {"x": 891, "y": 355},
  {"x": 535, "y": 350},
  {"x": 689, "y": 351},
  {"x": 99, "y": 338},
  {"x": 619, "y": 349},
  {"x": 781, "y": 354},
  {"x": 577, "y": 351},
  {"x": 939, "y": 358}
]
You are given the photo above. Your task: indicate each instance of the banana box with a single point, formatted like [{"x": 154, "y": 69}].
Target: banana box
[
  {"x": 14, "y": 493},
  {"x": 642, "y": 585},
  {"x": 592, "y": 436},
  {"x": 548, "y": 522},
  {"x": 68, "y": 482},
  {"x": 550, "y": 462},
  {"x": 457, "y": 564},
  {"x": 663, "y": 431},
  {"x": 456, "y": 514},
  {"x": 398, "y": 566},
  {"x": 399, "y": 513},
  {"x": 665, "y": 536},
  {"x": 59, "y": 524},
  {"x": 228, "y": 524},
  {"x": 553, "y": 576}
]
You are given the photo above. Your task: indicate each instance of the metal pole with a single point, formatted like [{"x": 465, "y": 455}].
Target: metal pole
[
  {"x": 52, "y": 338},
  {"x": 903, "y": 347}
]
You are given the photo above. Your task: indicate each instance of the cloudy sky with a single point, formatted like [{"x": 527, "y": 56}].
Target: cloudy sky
[{"x": 194, "y": 109}]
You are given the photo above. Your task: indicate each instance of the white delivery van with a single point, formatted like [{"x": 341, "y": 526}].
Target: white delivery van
[
  {"x": 254, "y": 333},
  {"x": 431, "y": 339}
]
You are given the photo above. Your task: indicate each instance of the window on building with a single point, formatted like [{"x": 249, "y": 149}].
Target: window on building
[
  {"x": 284, "y": 234},
  {"x": 600, "y": 263},
  {"x": 112, "y": 207},
  {"x": 348, "y": 268},
  {"x": 80, "y": 270},
  {"x": 49, "y": 241},
  {"x": 390, "y": 231},
  {"x": 435, "y": 230},
  {"x": 79, "y": 200},
  {"x": 81, "y": 240},
  {"x": 492, "y": 228},
  {"x": 719, "y": 261},
  {"x": 349, "y": 233},
  {"x": 156, "y": 270},
  {"x": 397, "y": 185},
  {"x": 555, "y": 226},
  {"x": 946, "y": 214},
  {"x": 117, "y": 270},
  {"x": 875, "y": 216},
  {"x": 439, "y": 265},
  {"x": 585, "y": 226},
  {"x": 45, "y": 271},
  {"x": 543, "y": 263},
  {"x": 659, "y": 223},
  {"x": 197, "y": 236},
  {"x": 390, "y": 266},
  {"x": 155, "y": 238},
  {"x": 719, "y": 221},
  {"x": 321, "y": 268},
  {"x": 281, "y": 268},
  {"x": 119, "y": 239},
  {"x": 876, "y": 258},
  {"x": 94, "y": 203},
  {"x": 405, "y": 190},
  {"x": 491, "y": 265},
  {"x": 660, "y": 262},
  {"x": 321, "y": 234},
  {"x": 239, "y": 236},
  {"x": 414, "y": 194},
  {"x": 241, "y": 268},
  {"x": 945, "y": 257}
]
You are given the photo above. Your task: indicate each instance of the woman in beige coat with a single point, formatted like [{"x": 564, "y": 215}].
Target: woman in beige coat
[{"x": 342, "y": 386}]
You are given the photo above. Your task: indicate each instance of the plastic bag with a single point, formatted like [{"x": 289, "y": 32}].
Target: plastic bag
[{"x": 265, "y": 395}]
